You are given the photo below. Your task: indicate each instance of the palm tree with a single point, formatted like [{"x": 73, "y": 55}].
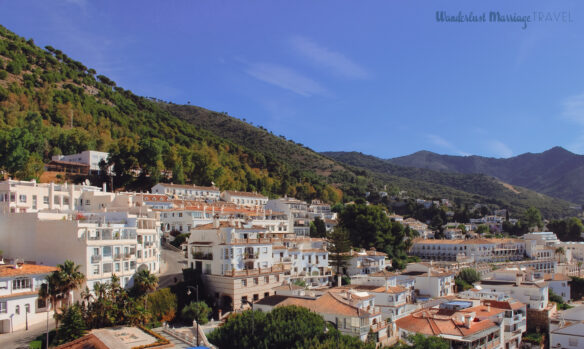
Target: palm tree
[
  {"x": 144, "y": 282},
  {"x": 70, "y": 279},
  {"x": 560, "y": 251}
]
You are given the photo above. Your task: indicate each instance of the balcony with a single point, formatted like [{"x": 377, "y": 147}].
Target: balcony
[
  {"x": 203, "y": 255},
  {"x": 249, "y": 272},
  {"x": 95, "y": 258},
  {"x": 251, "y": 256},
  {"x": 117, "y": 256},
  {"x": 379, "y": 326}
]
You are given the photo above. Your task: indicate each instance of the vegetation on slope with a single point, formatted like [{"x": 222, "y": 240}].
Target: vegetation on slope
[
  {"x": 464, "y": 188},
  {"x": 51, "y": 104}
]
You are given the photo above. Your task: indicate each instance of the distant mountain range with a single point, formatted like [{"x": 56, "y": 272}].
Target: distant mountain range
[{"x": 556, "y": 172}]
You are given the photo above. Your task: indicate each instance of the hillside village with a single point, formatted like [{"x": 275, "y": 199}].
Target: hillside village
[{"x": 252, "y": 251}]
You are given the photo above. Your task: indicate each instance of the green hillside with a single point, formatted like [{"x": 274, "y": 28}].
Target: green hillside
[
  {"x": 51, "y": 104},
  {"x": 462, "y": 187}
]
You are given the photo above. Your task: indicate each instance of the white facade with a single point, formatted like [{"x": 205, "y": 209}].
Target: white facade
[
  {"x": 20, "y": 306},
  {"x": 366, "y": 262},
  {"x": 30, "y": 196},
  {"x": 237, "y": 261},
  {"x": 481, "y": 250},
  {"x": 103, "y": 244},
  {"x": 244, "y": 198},
  {"x": 519, "y": 284},
  {"x": 187, "y": 191},
  {"x": 430, "y": 281},
  {"x": 87, "y": 157},
  {"x": 297, "y": 212}
]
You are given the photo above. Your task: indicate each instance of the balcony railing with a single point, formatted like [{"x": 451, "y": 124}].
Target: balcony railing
[
  {"x": 203, "y": 255},
  {"x": 95, "y": 258},
  {"x": 258, "y": 271},
  {"x": 379, "y": 326},
  {"x": 251, "y": 256},
  {"x": 118, "y": 256}
]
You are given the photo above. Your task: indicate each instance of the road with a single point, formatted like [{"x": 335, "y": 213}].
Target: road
[
  {"x": 20, "y": 339},
  {"x": 171, "y": 267}
]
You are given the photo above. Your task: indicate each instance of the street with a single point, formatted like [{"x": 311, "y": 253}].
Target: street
[
  {"x": 171, "y": 267},
  {"x": 20, "y": 339}
]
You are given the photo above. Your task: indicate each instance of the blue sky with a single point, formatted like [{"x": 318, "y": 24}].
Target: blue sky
[{"x": 381, "y": 77}]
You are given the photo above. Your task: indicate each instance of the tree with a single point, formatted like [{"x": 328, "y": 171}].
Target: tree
[
  {"x": 466, "y": 278},
  {"x": 482, "y": 229},
  {"x": 72, "y": 325},
  {"x": 162, "y": 305},
  {"x": 339, "y": 245},
  {"x": 560, "y": 252},
  {"x": 198, "y": 311},
  {"x": 419, "y": 341},
  {"x": 317, "y": 228},
  {"x": 70, "y": 278},
  {"x": 144, "y": 282},
  {"x": 283, "y": 327},
  {"x": 533, "y": 217}
]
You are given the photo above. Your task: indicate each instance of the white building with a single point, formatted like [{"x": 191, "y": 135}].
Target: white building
[
  {"x": 244, "y": 198},
  {"x": 102, "y": 243},
  {"x": 20, "y": 306},
  {"x": 354, "y": 313},
  {"x": 237, "y": 261},
  {"x": 366, "y": 262},
  {"x": 322, "y": 210},
  {"x": 480, "y": 250},
  {"x": 309, "y": 260},
  {"x": 191, "y": 192},
  {"x": 567, "y": 328},
  {"x": 87, "y": 157},
  {"x": 297, "y": 212},
  {"x": 430, "y": 281},
  {"x": 30, "y": 196},
  {"x": 520, "y": 284}
]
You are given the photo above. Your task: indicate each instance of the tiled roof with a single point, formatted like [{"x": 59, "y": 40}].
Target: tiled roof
[
  {"x": 25, "y": 269},
  {"x": 326, "y": 304},
  {"x": 89, "y": 341},
  {"x": 244, "y": 193},
  {"x": 184, "y": 186},
  {"x": 431, "y": 322}
]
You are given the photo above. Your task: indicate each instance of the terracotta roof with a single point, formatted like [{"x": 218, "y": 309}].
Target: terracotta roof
[
  {"x": 19, "y": 294},
  {"x": 25, "y": 269},
  {"x": 432, "y": 322},
  {"x": 326, "y": 304},
  {"x": 507, "y": 305},
  {"x": 483, "y": 311},
  {"x": 383, "y": 273},
  {"x": 244, "y": 193},
  {"x": 556, "y": 277},
  {"x": 89, "y": 341}
]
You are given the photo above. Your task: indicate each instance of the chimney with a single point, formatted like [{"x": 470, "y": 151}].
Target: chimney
[
  {"x": 488, "y": 307},
  {"x": 468, "y": 320}
]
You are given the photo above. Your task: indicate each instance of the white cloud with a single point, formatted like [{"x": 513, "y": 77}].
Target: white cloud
[
  {"x": 500, "y": 149},
  {"x": 573, "y": 108},
  {"x": 441, "y": 142},
  {"x": 335, "y": 61},
  {"x": 286, "y": 78}
]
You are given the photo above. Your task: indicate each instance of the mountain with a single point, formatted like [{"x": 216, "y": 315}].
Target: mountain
[
  {"x": 555, "y": 172},
  {"x": 457, "y": 186},
  {"x": 51, "y": 104}
]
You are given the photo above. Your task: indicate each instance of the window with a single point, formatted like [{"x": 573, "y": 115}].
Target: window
[
  {"x": 3, "y": 308},
  {"x": 20, "y": 283},
  {"x": 96, "y": 269},
  {"x": 117, "y": 267},
  {"x": 41, "y": 303},
  {"x": 256, "y": 297},
  {"x": 57, "y": 200},
  {"x": 65, "y": 201},
  {"x": 22, "y": 198},
  {"x": 266, "y": 279},
  {"x": 126, "y": 266},
  {"x": 256, "y": 281},
  {"x": 243, "y": 283},
  {"x": 17, "y": 309},
  {"x": 12, "y": 197}
]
